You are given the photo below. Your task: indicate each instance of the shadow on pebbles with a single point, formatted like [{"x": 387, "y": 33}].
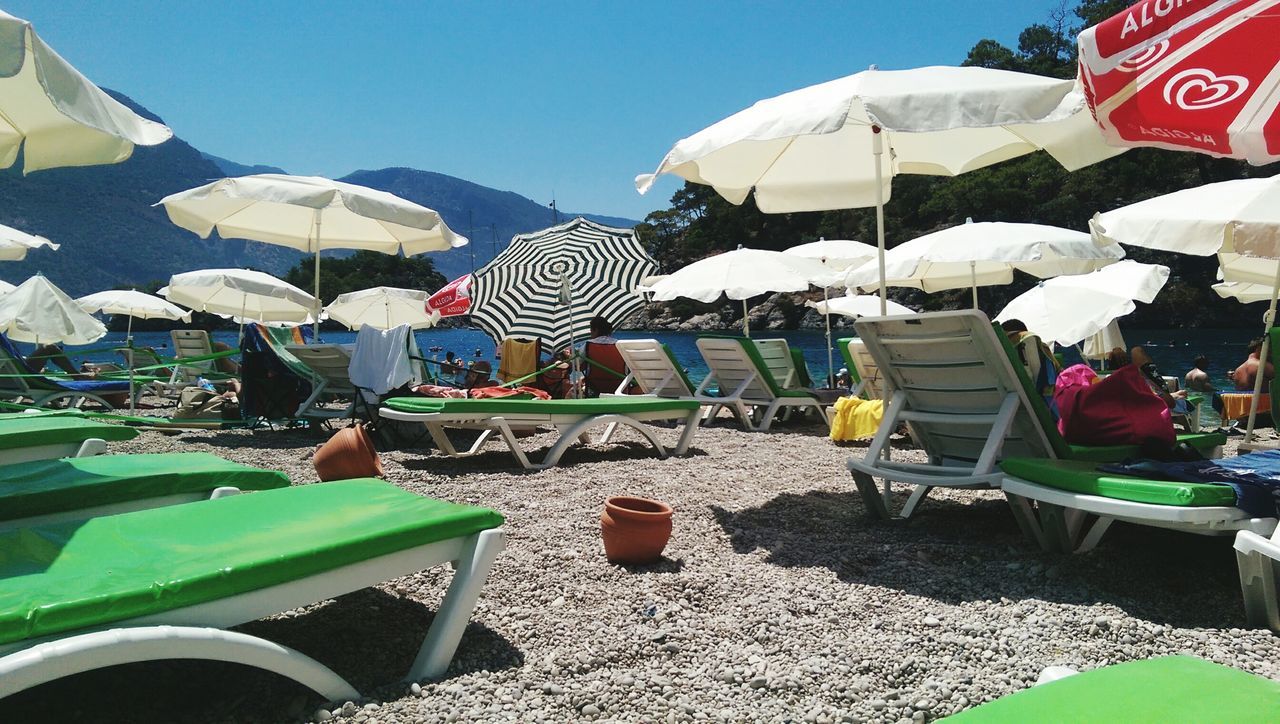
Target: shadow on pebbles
[{"x": 777, "y": 600}]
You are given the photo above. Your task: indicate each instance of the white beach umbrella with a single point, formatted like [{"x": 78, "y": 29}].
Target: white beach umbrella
[
  {"x": 860, "y": 305},
  {"x": 1108, "y": 338},
  {"x": 837, "y": 255},
  {"x": 15, "y": 244},
  {"x": 39, "y": 312},
  {"x": 309, "y": 213},
  {"x": 133, "y": 304},
  {"x": 822, "y": 147},
  {"x": 1243, "y": 292},
  {"x": 1237, "y": 220},
  {"x": 242, "y": 293},
  {"x": 741, "y": 274},
  {"x": 62, "y": 118},
  {"x": 1068, "y": 309},
  {"x": 985, "y": 254},
  {"x": 6, "y": 287},
  {"x": 383, "y": 308}
]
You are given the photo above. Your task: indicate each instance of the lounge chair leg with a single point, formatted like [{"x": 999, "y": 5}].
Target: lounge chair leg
[
  {"x": 917, "y": 496},
  {"x": 62, "y": 657},
  {"x": 871, "y": 498},
  {"x": 473, "y": 566},
  {"x": 1258, "y": 585},
  {"x": 92, "y": 446},
  {"x": 686, "y": 436},
  {"x": 1091, "y": 539},
  {"x": 1024, "y": 513}
]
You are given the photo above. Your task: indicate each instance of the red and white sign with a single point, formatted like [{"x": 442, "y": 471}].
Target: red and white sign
[
  {"x": 453, "y": 299},
  {"x": 1189, "y": 75}
]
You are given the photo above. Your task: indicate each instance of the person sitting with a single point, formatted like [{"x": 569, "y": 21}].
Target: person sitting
[
  {"x": 1036, "y": 358},
  {"x": 1198, "y": 380},
  {"x": 478, "y": 376},
  {"x": 601, "y": 331},
  {"x": 54, "y": 358},
  {"x": 604, "y": 367},
  {"x": 1246, "y": 375},
  {"x": 556, "y": 379}
]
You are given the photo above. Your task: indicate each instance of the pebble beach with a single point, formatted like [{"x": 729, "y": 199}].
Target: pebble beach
[{"x": 777, "y": 599}]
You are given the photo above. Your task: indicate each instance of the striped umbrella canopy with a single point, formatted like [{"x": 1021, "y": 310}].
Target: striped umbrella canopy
[{"x": 550, "y": 283}]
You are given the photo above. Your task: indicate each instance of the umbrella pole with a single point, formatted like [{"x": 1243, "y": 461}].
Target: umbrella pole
[
  {"x": 746, "y": 323},
  {"x": 877, "y": 150},
  {"x": 973, "y": 282},
  {"x": 128, "y": 343},
  {"x": 1263, "y": 354},
  {"x": 315, "y": 324},
  {"x": 831, "y": 367}
]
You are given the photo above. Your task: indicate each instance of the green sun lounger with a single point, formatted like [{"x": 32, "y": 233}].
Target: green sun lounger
[
  {"x": 42, "y": 436},
  {"x": 1168, "y": 690},
  {"x": 41, "y": 491},
  {"x": 166, "y": 583},
  {"x": 573, "y": 418},
  {"x": 748, "y": 386}
]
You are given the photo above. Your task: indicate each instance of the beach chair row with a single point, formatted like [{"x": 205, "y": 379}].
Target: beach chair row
[{"x": 113, "y": 559}]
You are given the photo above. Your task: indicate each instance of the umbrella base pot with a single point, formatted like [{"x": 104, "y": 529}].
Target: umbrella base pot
[{"x": 635, "y": 530}]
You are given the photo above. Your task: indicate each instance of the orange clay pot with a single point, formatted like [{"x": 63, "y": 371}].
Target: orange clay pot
[
  {"x": 635, "y": 530},
  {"x": 348, "y": 454}
]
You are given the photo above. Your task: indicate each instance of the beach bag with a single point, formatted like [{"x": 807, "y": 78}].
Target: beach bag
[
  {"x": 197, "y": 403},
  {"x": 1119, "y": 409}
]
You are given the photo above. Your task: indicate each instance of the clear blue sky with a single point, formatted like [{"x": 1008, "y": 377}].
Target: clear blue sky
[{"x": 574, "y": 98}]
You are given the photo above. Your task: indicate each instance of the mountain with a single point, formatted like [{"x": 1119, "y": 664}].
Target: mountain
[
  {"x": 488, "y": 216},
  {"x": 231, "y": 168},
  {"x": 112, "y": 235}
]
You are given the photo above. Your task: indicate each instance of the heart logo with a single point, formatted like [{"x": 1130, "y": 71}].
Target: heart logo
[
  {"x": 1144, "y": 57},
  {"x": 1196, "y": 89}
]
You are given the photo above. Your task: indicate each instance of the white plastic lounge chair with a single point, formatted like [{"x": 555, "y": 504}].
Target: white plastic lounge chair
[
  {"x": 46, "y": 491},
  {"x": 1258, "y": 558},
  {"x": 776, "y": 354},
  {"x": 573, "y": 418},
  {"x": 653, "y": 368},
  {"x": 193, "y": 343},
  {"x": 167, "y": 582},
  {"x": 18, "y": 382},
  {"x": 743, "y": 377},
  {"x": 50, "y": 435},
  {"x": 863, "y": 369},
  {"x": 329, "y": 365},
  {"x": 955, "y": 389}
]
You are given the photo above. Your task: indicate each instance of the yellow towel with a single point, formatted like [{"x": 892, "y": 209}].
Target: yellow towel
[
  {"x": 856, "y": 418},
  {"x": 519, "y": 358}
]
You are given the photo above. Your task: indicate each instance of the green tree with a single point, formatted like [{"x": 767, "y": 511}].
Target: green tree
[{"x": 365, "y": 269}]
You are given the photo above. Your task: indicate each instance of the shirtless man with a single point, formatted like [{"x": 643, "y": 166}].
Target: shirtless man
[
  {"x": 1197, "y": 379},
  {"x": 1246, "y": 374}
]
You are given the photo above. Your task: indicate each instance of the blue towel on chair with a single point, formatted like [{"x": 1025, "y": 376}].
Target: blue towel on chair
[
  {"x": 92, "y": 385},
  {"x": 1255, "y": 477}
]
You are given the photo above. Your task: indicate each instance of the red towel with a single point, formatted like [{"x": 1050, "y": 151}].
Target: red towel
[{"x": 1119, "y": 409}]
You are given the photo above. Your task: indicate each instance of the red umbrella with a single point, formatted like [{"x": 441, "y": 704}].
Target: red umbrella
[
  {"x": 453, "y": 299},
  {"x": 1188, "y": 75}
]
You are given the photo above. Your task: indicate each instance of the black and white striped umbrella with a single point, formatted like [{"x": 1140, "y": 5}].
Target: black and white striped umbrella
[{"x": 597, "y": 268}]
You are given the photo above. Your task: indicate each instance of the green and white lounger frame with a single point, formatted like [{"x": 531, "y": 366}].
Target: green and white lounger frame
[
  {"x": 862, "y": 369},
  {"x": 747, "y": 385},
  {"x": 46, "y": 491},
  {"x": 573, "y": 418},
  {"x": 1258, "y": 558},
  {"x": 329, "y": 365},
  {"x": 42, "y": 436},
  {"x": 777, "y": 356},
  {"x": 1169, "y": 689},
  {"x": 654, "y": 369},
  {"x": 959, "y": 395},
  {"x": 166, "y": 583}
]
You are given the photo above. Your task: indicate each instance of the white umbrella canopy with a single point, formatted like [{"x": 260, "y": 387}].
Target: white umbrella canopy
[
  {"x": 6, "y": 287},
  {"x": 15, "y": 244},
  {"x": 246, "y": 294},
  {"x": 741, "y": 274},
  {"x": 1237, "y": 220},
  {"x": 131, "y": 303},
  {"x": 986, "y": 254},
  {"x": 860, "y": 305},
  {"x": 383, "y": 308},
  {"x": 838, "y": 254},
  {"x": 1069, "y": 309},
  {"x": 61, "y": 117},
  {"x": 1243, "y": 292},
  {"x": 309, "y": 213},
  {"x": 822, "y": 147},
  {"x": 37, "y": 311}
]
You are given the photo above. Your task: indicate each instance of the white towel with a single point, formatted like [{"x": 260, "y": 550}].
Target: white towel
[{"x": 380, "y": 362}]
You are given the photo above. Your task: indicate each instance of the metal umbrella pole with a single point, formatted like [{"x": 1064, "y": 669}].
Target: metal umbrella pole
[
  {"x": 746, "y": 322},
  {"x": 1263, "y": 353},
  {"x": 877, "y": 150}
]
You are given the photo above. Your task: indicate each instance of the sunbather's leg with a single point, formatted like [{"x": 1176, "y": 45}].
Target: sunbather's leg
[
  {"x": 225, "y": 365},
  {"x": 52, "y": 354}
]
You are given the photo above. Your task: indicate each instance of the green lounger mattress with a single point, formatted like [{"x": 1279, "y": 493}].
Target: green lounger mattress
[
  {"x": 597, "y": 406},
  {"x": 1082, "y": 476},
  {"x": 92, "y": 573},
  {"x": 53, "y": 486},
  {"x": 1168, "y": 689},
  {"x": 1205, "y": 442},
  {"x": 25, "y": 430}
]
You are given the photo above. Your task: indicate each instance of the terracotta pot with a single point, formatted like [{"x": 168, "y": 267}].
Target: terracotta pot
[
  {"x": 635, "y": 530},
  {"x": 348, "y": 454}
]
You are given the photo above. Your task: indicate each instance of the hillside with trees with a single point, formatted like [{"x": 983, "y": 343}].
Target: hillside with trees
[{"x": 1033, "y": 189}]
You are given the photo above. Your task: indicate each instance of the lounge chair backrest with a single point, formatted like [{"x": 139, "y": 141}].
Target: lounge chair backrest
[
  {"x": 737, "y": 367},
  {"x": 865, "y": 369},
  {"x": 12, "y": 364},
  {"x": 520, "y": 358},
  {"x": 654, "y": 369},
  {"x": 776, "y": 354},
  {"x": 329, "y": 363},
  {"x": 191, "y": 343},
  {"x": 948, "y": 368},
  {"x": 605, "y": 369}
]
